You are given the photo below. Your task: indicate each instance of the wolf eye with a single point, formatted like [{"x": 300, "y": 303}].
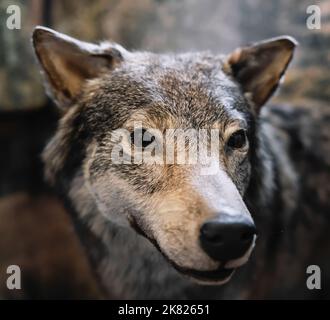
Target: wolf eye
[
  {"x": 237, "y": 140},
  {"x": 141, "y": 138}
]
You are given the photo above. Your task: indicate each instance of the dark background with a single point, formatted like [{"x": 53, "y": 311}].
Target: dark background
[{"x": 35, "y": 231}]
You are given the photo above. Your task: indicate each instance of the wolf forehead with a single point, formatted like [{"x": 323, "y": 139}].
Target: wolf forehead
[
  {"x": 193, "y": 88},
  {"x": 196, "y": 88}
]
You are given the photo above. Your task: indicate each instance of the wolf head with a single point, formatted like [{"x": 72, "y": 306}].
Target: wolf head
[{"x": 194, "y": 212}]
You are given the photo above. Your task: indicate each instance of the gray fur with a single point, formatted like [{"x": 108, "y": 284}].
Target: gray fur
[{"x": 193, "y": 90}]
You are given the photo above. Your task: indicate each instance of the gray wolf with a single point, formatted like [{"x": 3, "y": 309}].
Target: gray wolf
[{"x": 158, "y": 230}]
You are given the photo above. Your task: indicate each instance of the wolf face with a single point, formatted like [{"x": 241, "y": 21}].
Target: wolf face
[{"x": 195, "y": 214}]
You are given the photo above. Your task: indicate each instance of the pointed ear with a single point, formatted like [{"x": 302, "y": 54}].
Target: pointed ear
[
  {"x": 259, "y": 68},
  {"x": 67, "y": 63}
]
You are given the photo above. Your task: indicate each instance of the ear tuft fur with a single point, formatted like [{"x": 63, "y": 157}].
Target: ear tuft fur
[
  {"x": 67, "y": 62},
  {"x": 259, "y": 68}
]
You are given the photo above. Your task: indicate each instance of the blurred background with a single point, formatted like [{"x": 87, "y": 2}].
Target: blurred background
[{"x": 35, "y": 230}]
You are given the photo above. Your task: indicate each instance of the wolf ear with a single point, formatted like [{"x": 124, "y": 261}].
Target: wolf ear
[
  {"x": 67, "y": 63},
  {"x": 259, "y": 68}
]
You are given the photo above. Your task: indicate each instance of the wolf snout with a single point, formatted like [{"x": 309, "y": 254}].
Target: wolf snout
[{"x": 227, "y": 237}]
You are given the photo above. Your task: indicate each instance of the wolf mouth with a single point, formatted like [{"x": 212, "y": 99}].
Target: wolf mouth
[
  {"x": 219, "y": 274},
  {"x": 216, "y": 275},
  {"x": 207, "y": 276}
]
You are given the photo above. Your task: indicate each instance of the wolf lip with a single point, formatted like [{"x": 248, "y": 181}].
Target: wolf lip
[{"x": 214, "y": 275}]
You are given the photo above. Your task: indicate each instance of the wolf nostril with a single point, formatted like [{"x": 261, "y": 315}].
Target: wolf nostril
[
  {"x": 211, "y": 236},
  {"x": 227, "y": 237},
  {"x": 246, "y": 236}
]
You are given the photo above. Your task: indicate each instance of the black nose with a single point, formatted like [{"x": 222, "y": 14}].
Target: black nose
[{"x": 227, "y": 237}]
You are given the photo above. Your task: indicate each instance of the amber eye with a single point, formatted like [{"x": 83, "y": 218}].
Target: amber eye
[
  {"x": 142, "y": 138},
  {"x": 237, "y": 140}
]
